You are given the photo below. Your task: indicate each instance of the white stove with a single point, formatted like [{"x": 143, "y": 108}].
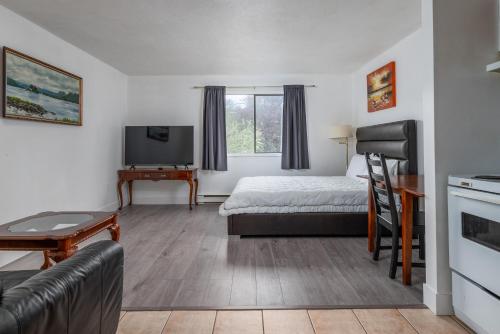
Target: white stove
[{"x": 474, "y": 232}]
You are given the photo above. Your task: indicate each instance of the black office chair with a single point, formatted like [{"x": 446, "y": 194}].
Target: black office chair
[{"x": 388, "y": 216}]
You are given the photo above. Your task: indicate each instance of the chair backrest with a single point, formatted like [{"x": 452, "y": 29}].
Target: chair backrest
[{"x": 380, "y": 183}]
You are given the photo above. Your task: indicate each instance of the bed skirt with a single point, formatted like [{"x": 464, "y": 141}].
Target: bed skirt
[{"x": 299, "y": 224}]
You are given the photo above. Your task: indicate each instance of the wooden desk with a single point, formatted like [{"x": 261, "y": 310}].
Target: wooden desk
[
  {"x": 131, "y": 175},
  {"x": 409, "y": 187}
]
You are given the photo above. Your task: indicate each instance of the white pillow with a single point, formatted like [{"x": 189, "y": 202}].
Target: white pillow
[
  {"x": 392, "y": 166},
  {"x": 357, "y": 166}
]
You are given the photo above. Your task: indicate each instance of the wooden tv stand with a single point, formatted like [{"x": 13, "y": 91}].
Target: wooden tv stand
[{"x": 131, "y": 175}]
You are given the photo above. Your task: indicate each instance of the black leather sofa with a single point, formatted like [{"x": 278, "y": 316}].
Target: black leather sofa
[{"x": 82, "y": 294}]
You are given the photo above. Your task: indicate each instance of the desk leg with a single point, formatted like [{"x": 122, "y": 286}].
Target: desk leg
[
  {"x": 371, "y": 220},
  {"x": 114, "y": 230},
  {"x": 64, "y": 251},
  {"x": 407, "y": 234},
  {"x": 46, "y": 261},
  {"x": 130, "y": 192},
  {"x": 120, "y": 194},
  {"x": 190, "y": 181},
  {"x": 195, "y": 191}
]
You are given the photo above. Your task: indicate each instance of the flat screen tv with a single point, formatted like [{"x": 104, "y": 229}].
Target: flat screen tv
[{"x": 158, "y": 145}]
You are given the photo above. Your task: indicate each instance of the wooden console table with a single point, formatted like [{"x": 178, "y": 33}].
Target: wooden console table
[{"x": 131, "y": 175}]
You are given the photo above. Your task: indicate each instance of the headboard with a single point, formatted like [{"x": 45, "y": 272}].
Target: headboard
[{"x": 397, "y": 140}]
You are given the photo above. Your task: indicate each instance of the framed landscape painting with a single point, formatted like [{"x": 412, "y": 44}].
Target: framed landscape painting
[
  {"x": 34, "y": 90},
  {"x": 382, "y": 88}
]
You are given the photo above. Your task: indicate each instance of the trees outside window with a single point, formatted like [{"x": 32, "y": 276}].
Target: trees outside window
[{"x": 254, "y": 123}]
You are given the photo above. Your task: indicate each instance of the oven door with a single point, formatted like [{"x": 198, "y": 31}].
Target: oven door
[{"x": 474, "y": 230}]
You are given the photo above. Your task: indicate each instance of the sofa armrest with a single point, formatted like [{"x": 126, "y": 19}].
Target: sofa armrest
[{"x": 82, "y": 294}]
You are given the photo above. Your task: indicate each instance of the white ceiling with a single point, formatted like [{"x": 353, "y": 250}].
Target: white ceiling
[{"x": 161, "y": 37}]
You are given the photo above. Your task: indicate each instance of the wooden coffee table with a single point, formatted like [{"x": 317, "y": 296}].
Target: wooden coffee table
[{"x": 57, "y": 234}]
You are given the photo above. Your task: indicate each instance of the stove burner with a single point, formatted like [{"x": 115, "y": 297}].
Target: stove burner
[{"x": 487, "y": 177}]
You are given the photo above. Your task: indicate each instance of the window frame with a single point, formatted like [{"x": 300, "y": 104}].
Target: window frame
[{"x": 255, "y": 153}]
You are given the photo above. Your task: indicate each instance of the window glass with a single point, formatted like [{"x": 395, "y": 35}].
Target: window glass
[
  {"x": 240, "y": 124},
  {"x": 268, "y": 113},
  {"x": 254, "y": 123}
]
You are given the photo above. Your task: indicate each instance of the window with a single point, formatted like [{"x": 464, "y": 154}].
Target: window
[{"x": 253, "y": 123}]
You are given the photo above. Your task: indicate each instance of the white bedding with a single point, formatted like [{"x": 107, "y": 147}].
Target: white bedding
[{"x": 291, "y": 194}]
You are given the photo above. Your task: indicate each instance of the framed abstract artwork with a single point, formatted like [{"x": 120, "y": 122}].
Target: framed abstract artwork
[
  {"x": 34, "y": 90},
  {"x": 382, "y": 88}
]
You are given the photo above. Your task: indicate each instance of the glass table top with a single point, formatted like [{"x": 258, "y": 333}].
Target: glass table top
[{"x": 53, "y": 222}]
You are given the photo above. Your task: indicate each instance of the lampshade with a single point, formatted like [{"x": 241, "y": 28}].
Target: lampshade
[{"x": 340, "y": 131}]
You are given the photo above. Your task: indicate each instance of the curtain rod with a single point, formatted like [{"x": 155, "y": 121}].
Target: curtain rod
[{"x": 253, "y": 87}]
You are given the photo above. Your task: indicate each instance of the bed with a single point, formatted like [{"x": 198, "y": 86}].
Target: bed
[{"x": 317, "y": 205}]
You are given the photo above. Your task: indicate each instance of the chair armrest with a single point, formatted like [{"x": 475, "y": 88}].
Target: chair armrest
[{"x": 82, "y": 294}]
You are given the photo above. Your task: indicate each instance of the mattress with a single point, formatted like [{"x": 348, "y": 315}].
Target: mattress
[{"x": 293, "y": 194}]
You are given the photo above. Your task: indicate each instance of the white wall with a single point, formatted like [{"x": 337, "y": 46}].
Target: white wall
[
  {"x": 461, "y": 119},
  {"x": 409, "y": 67},
  {"x": 171, "y": 100},
  {"x": 60, "y": 167}
]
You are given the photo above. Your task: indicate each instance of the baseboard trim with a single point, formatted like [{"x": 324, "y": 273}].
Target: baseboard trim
[
  {"x": 113, "y": 206},
  {"x": 212, "y": 198},
  {"x": 438, "y": 302},
  {"x": 11, "y": 256}
]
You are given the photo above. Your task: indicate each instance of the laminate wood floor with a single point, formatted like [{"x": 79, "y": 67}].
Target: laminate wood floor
[
  {"x": 176, "y": 258},
  {"x": 341, "y": 321}
]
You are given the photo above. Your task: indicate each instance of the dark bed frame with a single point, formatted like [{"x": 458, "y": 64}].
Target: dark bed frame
[{"x": 397, "y": 140}]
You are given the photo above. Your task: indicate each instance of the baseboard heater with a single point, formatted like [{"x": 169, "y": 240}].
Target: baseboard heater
[{"x": 212, "y": 198}]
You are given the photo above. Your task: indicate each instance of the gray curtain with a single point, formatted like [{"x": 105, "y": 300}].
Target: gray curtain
[
  {"x": 295, "y": 153},
  {"x": 214, "y": 129}
]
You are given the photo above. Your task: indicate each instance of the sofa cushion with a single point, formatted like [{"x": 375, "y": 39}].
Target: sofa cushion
[
  {"x": 9, "y": 279},
  {"x": 80, "y": 295}
]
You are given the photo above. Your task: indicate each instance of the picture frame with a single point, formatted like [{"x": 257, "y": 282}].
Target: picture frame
[
  {"x": 381, "y": 88},
  {"x": 37, "y": 91}
]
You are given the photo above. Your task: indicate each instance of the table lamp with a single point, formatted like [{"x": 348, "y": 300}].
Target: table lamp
[{"x": 342, "y": 133}]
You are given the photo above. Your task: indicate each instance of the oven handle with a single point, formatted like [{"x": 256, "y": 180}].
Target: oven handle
[{"x": 482, "y": 198}]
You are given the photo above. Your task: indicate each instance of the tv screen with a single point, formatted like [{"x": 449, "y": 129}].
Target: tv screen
[{"x": 158, "y": 145}]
